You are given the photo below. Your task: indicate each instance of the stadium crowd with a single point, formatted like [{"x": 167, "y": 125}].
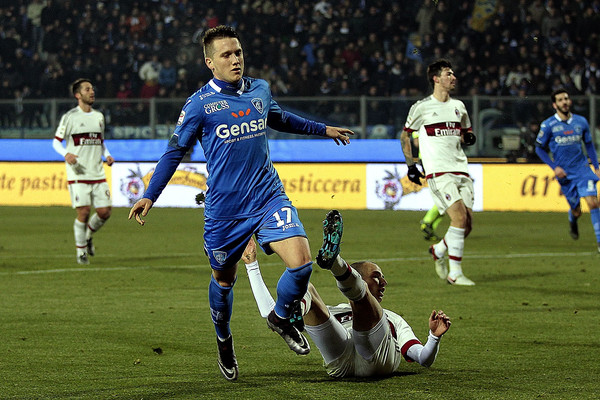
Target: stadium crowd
[{"x": 150, "y": 48}]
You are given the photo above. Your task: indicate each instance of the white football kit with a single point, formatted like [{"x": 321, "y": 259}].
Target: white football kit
[
  {"x": 376, "y": 352},
  {"x": 440, "y": 126},
  {"x": 84, "y": 136}
]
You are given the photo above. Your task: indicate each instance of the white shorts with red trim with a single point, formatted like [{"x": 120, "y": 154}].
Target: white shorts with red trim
[
  {"x": 95, "y": 194},
  {"x": 448, "y": 188}
]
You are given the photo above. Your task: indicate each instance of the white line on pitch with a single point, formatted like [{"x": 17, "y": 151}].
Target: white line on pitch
[{"x": 270, "y": 263}]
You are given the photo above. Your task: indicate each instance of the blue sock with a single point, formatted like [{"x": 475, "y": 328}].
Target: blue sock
[
  {"x": 572, "y": 217},
  {"x": 291, "y": 286},
  {"x": 221, "y": 304},
  {"x": 596, "y": 222}
]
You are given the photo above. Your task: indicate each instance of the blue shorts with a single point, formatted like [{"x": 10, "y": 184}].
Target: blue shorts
[
  {"x": 225, "y": 240},
  {"x": 581, "y": 186}
]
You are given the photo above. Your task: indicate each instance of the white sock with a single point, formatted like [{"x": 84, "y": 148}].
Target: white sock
[
  {"x": 261, "y": 293},
  {"x": 352, "y": 285},
  {"x": 339, "y": 266},
  {"x": 306, "y": 303},
  {"x": 80, "y": 240},
  {"x": 440, "y": 248},
  {"x": 93, "y": 225},
  {"x": 455, "y": 239}
]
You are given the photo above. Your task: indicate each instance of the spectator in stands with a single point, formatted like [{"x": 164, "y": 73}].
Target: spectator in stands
[
  {"x": 150, "y": 69},
  {"x": 520, "y": 33},
  {"x": 167, "y": 75}
]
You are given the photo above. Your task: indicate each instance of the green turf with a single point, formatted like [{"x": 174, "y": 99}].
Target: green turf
[{"x": 528, "y": 330}]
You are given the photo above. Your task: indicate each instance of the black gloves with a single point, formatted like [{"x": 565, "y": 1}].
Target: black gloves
[
  {"x": 470, "y": 139},
  {"x": 414, "y": 175}
]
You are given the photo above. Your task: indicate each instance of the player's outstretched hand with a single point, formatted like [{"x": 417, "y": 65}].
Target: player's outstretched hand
[
  {"x": 140, "y": 209},
  {"x": 439, "y": 323},
  {"x": 110, "y": 160},
  {"x": 339, "y": 135},
  {"x": 249, "y": 255},
  {"x": 414, "y": 175}
]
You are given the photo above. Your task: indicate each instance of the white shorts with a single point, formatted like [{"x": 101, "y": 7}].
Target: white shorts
[
  {"x": 448, "y": 188},
  {"x": 90, "y": 194},
  {"x": 341, "y": 349}
]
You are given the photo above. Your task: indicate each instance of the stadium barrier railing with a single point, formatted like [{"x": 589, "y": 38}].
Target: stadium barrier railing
[{"x": 497, "y": 120}]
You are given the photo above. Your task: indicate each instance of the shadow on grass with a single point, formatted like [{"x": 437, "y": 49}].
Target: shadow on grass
[{"x": 518, "y": 276}]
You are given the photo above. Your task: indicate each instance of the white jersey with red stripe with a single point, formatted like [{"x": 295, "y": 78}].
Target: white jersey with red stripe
[
  {"x": 387, "y": 357},
  {"x": 84, "y": 135},
  {"x": 440, "y": 126}
]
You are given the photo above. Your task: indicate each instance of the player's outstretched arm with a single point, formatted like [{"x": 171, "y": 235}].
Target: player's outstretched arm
[
  {"x": 140, "y": 209},
  {"x": 439, "y": 323},
  {"x": 339, "y": 135}
]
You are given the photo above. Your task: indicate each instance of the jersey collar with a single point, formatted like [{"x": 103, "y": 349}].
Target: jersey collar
[
  {"x": 226, "y": 87},
  {"x": 568, "y": 121}
]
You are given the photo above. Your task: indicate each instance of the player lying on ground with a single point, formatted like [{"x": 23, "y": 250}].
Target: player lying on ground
[{"x": 360, "y": 338}]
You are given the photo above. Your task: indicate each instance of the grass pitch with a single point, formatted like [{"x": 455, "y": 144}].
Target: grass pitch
[{"x": 135, "y": 323}]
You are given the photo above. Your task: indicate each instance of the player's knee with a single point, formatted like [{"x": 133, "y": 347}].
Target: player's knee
[
  {"x": 104, "y": 213},
  {"x": 459, "y": 220},
  {"x": 303, "y": 271},
  {"x": 225, "y": 278},
  {"x": 83, "y": 213}
]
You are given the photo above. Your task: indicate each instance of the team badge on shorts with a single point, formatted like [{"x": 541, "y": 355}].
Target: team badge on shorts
[
  {"x": 448, "y": 197},
  {"x": 220, "y": 256}
]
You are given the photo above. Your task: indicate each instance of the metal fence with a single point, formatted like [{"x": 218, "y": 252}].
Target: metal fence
[{"x": 505, "y": 126}]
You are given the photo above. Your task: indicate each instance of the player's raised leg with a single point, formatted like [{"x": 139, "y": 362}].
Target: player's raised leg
[
  {"x": 94, "y": 224},
  {"x": 441, "y": 266},
  {"x": 348, "y": 280}
]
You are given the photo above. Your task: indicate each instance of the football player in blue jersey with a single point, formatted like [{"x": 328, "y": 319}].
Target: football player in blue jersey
[
  {"x": 245, "y": 197},
  {"x": 562, "y": 135}
]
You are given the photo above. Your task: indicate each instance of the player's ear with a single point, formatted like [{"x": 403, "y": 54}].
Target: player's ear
[{"x": 209, "y": 63}]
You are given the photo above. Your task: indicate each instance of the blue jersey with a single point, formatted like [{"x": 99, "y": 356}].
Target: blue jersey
[
  {"x": 231, "y": 125},
  {"x": 563, "y": 139}
]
